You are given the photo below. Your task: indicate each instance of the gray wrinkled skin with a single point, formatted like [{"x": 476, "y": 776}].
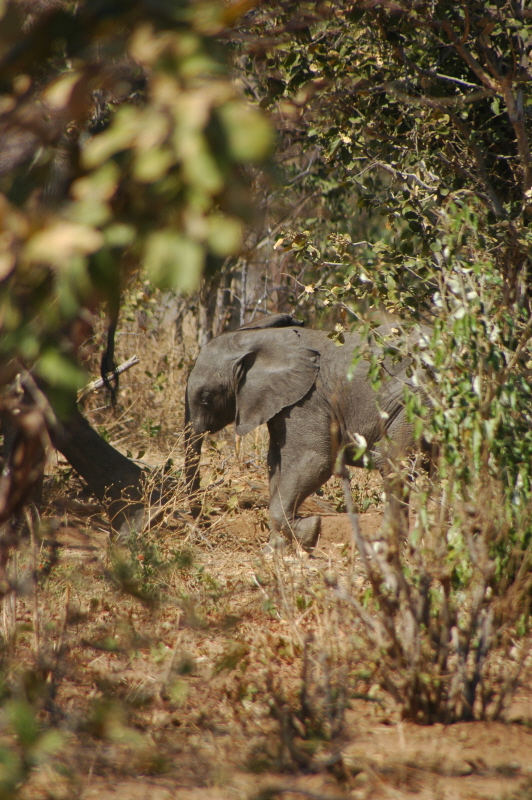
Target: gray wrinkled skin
[{"x": 295, "y": 381}]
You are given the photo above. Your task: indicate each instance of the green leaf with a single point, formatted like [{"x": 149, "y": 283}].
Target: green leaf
[
  {"x": 47, "y": 744},
  {"x": 119, "y": 136},
  {"x": 119, "y": 235},
  {"x": 178, "y": 691},
  {"x": 199, "y": 164},
  {"x": 174, "y": 261},
  {"x": 232, "y": 657},
  {"x": 59, "y": 371},
  {"x": 225, "y": 234},
  {"x": 10, "y": 773},
  {"x": 22, "y": 720},
  {"x": 152, "y": 165},
  {"x": 249, "y": 132},
  {"x": 62, "y": 241}
]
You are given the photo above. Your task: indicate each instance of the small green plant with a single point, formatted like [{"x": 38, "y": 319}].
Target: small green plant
[
  {"x": 310, "y": 712},
  {"x": 152, "y": 428},
  {"x": 316, "y": 712},
  {"x": 104, "y": 433},
  {"x": 138, "y": 568},
  {"x": 159, "y": 381},
  {"x": 29, "y": 745}
]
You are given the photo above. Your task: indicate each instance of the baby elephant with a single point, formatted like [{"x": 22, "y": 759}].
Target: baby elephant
[{"x": 275, "y": 371}]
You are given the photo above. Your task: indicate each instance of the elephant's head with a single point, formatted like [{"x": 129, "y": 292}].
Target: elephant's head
[{"x": 247, "y": 376}]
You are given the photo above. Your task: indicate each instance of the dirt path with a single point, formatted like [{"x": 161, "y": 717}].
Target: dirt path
[{"x": 174, "y": 699}]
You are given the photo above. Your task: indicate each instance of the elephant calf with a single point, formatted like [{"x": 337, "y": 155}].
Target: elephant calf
[{"x": 276, "y": 372}]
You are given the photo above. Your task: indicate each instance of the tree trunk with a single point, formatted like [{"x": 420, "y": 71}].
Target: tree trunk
[{"x": 111, "y": 477}]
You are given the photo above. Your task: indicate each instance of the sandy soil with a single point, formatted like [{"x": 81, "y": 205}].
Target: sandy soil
[{"x": 174, "y": 699}]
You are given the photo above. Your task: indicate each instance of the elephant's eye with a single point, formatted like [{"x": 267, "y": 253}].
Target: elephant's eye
[{"x": 205, "y": 398}]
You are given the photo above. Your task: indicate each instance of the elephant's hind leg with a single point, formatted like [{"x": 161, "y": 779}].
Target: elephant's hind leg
[
  {"x": 294, "y": 474},
  {"x": 285, "y": 498}
]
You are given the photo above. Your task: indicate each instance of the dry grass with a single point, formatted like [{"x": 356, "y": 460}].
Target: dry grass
[
  {"x": 184, "y": 662},
  {"x": 239, "y": 675}
]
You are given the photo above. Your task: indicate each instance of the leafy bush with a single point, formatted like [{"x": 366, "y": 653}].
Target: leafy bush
[{"x": 417, "y": 115}]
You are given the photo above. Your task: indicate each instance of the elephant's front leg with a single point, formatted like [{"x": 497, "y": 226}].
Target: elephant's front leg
[{"x": 299, "y": 462}]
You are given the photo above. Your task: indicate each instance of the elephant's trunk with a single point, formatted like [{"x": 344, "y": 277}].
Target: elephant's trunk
[{"x": 193, "y": 442}]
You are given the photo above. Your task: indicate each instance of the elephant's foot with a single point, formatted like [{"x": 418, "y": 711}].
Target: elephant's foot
[
  {"x": 305, "y": 530},
  {"x": 276, "y": 543}
]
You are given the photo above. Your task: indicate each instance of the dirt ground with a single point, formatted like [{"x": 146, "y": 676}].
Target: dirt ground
[{"x": 192, "y": 691}]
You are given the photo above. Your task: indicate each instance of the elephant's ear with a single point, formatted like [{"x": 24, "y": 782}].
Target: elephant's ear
[{"x": 276, "y": 370}]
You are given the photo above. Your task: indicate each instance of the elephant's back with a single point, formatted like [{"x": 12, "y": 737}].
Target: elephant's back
[
  {"x": 327, "y": 342},
  {"x": 336, "y": 352}
]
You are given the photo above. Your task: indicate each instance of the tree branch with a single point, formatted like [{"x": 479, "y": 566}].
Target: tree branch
[
  {"x": 98, "y": 384},
  {"x": 441, "y": 103},
  {"x": 404, "y": 176},
  {"x": 514, "y": 106},
  {"x": 459, "y": 81},
  {"x": 471, "y": 62},
  {"x": 503, "y": 86},
  {"x": 496, "y": 204}
]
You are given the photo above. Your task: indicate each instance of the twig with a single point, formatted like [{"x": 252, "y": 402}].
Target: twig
[
  {"x": 64, "y": 622},
  {"x": 353, "y": 518},
  {"x": 273, "y": 791},
  {"x": 472, "y": 63},
  {"x": 404, "y": 176},
  {"x": 9, "y": 601},
  {"x": 460, "y": 81},
  {"x": 42, "y": 403},
  {"x": 98, "y": 384},
  {"x": 36, "y": 621},
  {"x": 421, "y": 101},
  {"x": 168, "y": 671},
  {"x": 510, "y": 683}
]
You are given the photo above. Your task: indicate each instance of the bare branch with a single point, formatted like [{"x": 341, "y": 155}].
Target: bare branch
[
  {"x": 481, "y": 74},
  {"x": 440, "y": 103},
  {"x": 459, "y": 81},
  {"x": 514, "y": 106},
  {"x": 404, "y": 176},
  {"x": 98, "y": 384},
  {"x": 466, "y": 133},
  {"x": 503, "y": 86}
]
